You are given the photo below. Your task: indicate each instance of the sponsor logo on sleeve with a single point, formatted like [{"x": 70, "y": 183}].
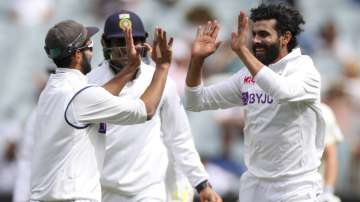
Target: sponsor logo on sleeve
[{"x": 255, "y": 98}]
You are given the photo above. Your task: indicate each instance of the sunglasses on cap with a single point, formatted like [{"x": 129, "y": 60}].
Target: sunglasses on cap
[{"x": 88, "y": 46}]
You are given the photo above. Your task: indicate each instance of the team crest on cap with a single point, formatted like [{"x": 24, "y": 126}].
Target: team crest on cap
[{"x": 124, "y": 21}]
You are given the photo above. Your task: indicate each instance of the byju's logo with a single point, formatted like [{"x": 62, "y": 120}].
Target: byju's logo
[{"x": 259, "y": 98}]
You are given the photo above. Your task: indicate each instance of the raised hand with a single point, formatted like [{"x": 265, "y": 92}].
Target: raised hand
[
  {"x": 133, "y": 53},
  {"x": 115, "y": 85},
  {"x": 162, "y": 49},
  {"x": 239, "y": 38},
  {"x": 239, "y": 42},
  {"x": 205, "y": 42}
]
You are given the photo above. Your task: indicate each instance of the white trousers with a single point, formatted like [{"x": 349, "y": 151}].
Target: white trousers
[
  {"x": 297, "y": 189},
  {"x": 153, "y": 193}
]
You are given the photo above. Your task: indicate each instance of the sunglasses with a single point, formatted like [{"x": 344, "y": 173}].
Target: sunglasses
[{"x": 87, "y": 46}]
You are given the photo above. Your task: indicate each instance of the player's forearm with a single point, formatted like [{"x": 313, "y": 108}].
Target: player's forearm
[
  {"x": 194, "y": 74},
  {"x": 250, "y": 61},
  {"x": 116, "y": 84},
  {"x": 153, "y": 93}
]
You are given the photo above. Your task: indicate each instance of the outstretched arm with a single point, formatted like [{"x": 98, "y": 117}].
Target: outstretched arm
[
  {"x": 222, "y": 95},
  {"x": 161, "y": 54},
  {"x": 204, "y": 45},
  {"x": 96, "y": 105}
]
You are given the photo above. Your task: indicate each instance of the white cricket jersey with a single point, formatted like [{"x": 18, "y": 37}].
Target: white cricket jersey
[
  {"x": 135, "y": 155},
  {"x": 333, "y": 134},
  {"x": 284, "y": 126},
  {"x": 67, "y": 160}
]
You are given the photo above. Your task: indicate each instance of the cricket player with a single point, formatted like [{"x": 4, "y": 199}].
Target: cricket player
[
  {"x": 69, "y": 142},
  {"x": 136, "y": 159},
  {"x": 279, "y": 89},
  {"x": 329, "y": 165}
]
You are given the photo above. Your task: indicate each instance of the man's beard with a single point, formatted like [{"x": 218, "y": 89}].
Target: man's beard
[
  {"x": 271, "y": 52},
  {"x": 85, "y": 64}
]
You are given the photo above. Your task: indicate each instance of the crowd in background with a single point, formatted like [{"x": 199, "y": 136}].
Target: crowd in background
[{"x": 330, "y": 38}]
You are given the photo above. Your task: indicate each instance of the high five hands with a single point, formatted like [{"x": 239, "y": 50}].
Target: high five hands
[
  {"x": 206, "y": 42},
  {"x": 162, "y": 49},
  {"x": 161, "y": 52},
  {"x": 133, "y": 52},
  {"x": 239, "y": 38}
]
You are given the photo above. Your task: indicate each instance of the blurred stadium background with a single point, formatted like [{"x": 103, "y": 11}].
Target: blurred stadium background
[{"x": 331, "y": 37}]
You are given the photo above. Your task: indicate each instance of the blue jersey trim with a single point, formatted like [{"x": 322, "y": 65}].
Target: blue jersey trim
[{"x": 67, "y": 107}]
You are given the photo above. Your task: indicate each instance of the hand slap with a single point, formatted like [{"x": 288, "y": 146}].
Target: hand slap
[
  {"x": 132, "y": 52},
  {"x": 162, "y": 48},
  {"x": 239, "y": 38},
  {"x": 205, "y": 42}
]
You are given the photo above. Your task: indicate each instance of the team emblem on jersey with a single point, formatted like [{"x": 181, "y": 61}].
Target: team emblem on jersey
[
  {"x": 124, "y": 21},
  {"x": 249, "y": 80}
]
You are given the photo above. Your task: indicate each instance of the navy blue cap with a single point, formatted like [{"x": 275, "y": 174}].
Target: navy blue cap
[{"x": 116, "y": 22}]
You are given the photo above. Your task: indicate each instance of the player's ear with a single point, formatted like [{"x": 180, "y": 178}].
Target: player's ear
[{"x": 285, "y": 38}]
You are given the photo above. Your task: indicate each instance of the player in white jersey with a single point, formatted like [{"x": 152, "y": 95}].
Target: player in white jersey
[
  {"x": 279, "y": 89},
  {"x": 136, "y": 159},
  {"x": 329, "y": 165},
  {"x": 69, "y": 142}
]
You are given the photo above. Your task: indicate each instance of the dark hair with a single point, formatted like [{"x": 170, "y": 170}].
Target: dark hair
[
  {"x": 63, "y": 62},
  {"x": 287, "y": 19}
]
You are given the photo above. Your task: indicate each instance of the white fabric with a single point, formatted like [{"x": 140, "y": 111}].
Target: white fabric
[
  {"x": 178, "y": 188},
  {"x": 284, "y": 126},
  {"x": 304, "y": 188},
  {"x": 66, "y": 161},
  {"x": 151, "y": 193},
  {"x": 328, "y": 197},
  {"x": 333, "y": 134},
  {"x": 135, "y": 155}
]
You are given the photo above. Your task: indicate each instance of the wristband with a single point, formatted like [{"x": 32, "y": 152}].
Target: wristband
[{"x": 202, "y": 186}]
